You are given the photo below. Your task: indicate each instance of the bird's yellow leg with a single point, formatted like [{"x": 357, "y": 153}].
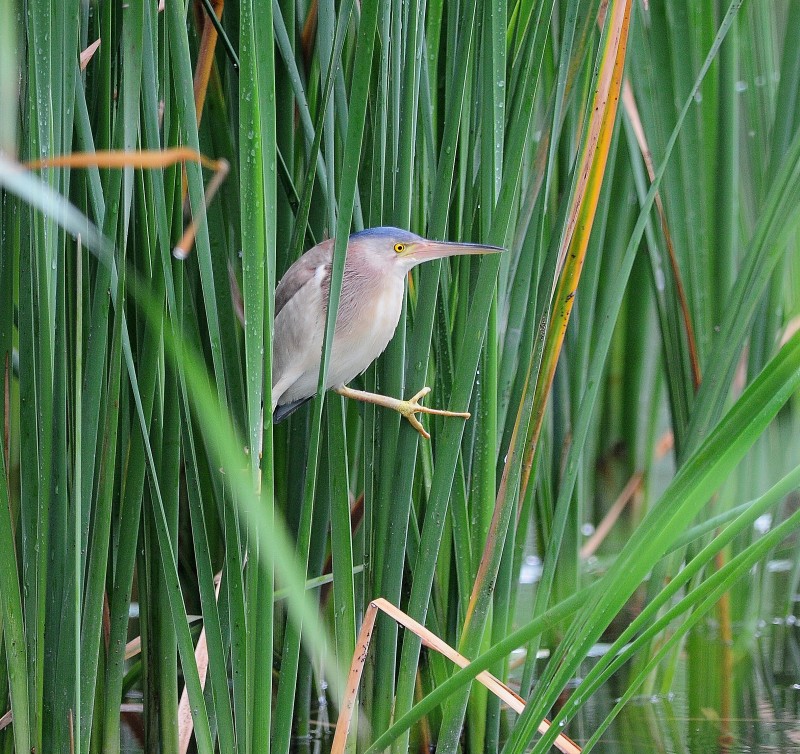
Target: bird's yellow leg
[{"x": 405, "y": 408}]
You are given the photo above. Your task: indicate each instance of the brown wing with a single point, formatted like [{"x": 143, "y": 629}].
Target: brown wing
[{"x": 301, "y": 272}]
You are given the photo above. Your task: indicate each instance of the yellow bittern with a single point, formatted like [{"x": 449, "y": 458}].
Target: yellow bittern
[{"x": 369, "y": 309}]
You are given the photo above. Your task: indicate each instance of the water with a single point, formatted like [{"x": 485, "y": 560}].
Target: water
[{"x": 765, "y": 713}]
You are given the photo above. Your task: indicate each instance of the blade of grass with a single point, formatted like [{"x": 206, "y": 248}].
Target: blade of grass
[{"x": 13, "y": 622}]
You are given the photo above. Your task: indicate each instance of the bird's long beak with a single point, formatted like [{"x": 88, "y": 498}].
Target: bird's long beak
[{"x": 423, "y": 251}]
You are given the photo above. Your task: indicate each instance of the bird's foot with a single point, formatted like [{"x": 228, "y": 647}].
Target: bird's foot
[
  {"x": 408, "y": 408},
  {"x": 412, "y": 406}
]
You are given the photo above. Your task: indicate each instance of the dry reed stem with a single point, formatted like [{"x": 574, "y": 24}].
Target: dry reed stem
[
  {"x": 629, "y": 103},
  {"x": 607, "y": 524},
  {"x": 205, "y": 59},
  {"x": 184, "y": 246},
  {"x": 114, "y": 158},
  {"x": 88, "y": 54},
  {"x": 146, "y": 159},
  {"x": 432, "y": 641},
  {"x": 633, "y": 486},
  {"x": 185, "y": 721}
]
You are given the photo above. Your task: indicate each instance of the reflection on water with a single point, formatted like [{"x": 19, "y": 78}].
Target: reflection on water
[
  {"x": 664, "y": 725},
  {"x": 766, "y": 707}
]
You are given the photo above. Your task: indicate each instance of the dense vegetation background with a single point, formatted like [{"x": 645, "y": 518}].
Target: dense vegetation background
[{"x": 641, "y": 163}]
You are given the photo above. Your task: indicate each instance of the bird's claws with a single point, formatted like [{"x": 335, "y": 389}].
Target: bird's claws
[{"x": 412, "y": 406}]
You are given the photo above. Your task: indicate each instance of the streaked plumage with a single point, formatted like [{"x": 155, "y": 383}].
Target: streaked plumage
[{"x": 369, "y": 309}]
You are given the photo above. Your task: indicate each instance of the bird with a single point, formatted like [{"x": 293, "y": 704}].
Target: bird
[{"x": 370, "y": 305}]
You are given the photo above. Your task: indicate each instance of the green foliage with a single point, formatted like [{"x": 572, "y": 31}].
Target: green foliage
[{"x": 137, "y": 468}]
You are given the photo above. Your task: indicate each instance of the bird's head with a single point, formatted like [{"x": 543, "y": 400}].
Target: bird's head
[{"x": 402, "y": 250}]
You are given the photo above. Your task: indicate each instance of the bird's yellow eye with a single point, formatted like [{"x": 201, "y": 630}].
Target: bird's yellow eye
[{"x": 398, "y": 247}]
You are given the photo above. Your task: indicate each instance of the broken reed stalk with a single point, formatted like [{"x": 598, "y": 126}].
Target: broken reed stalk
[
  {"x": 432, "y": 641},
  {"x": 147, "y": 159}
]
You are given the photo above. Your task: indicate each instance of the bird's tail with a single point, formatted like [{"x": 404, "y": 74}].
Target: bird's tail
[{"x": 282, "y": 411}]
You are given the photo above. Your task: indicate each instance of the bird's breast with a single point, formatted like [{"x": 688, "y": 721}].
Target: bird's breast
[
  {"x": 385, "y": 312},
  {"x": 368, "y": 317}
]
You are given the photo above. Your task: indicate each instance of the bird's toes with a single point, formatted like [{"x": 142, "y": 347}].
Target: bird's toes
[
  {"x": 420, "y": 395},
  {"x": 409, "y": 409},
  {"x": 412, "y": 406},
  {"x": 418, "y": 426}
]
